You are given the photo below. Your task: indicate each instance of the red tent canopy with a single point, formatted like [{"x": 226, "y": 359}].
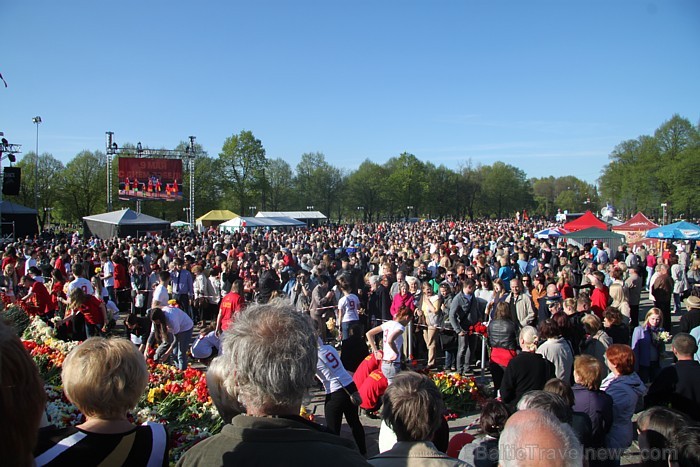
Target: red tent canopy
[
  {"x": 638, "y": 222},
  {"x": 586, "y": 221}
]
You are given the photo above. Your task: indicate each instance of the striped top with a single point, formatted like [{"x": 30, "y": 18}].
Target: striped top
[{"x": 145, "y": 445}]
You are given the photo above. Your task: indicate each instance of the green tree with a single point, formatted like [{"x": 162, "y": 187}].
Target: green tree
[
  {"x": 84, "y": 192},
  {"x": 407, "y": 182},
  {"x": 279, "y": 181},
  {"x": 243, "y": 165},
  {"x": 49, "y": 183},
  {"x": 441, "y": 189},
  {"x": 469, "y": 188},
  {"x": 506, "y": 190},
  {"x": 318, "y": 183},
  {"x": 366, "y": 189}
]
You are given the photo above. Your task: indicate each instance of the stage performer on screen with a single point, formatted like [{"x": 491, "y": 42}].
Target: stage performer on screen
[
  {"x": 126, "y": 185},
  {"x": 159, "y": 186},
  {"x": 175, "y": 189},
  {"x": 136, "y": 186},
  {"x": 150, "y": 186}
]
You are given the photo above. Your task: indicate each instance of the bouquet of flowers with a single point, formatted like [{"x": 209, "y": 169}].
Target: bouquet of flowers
[
  {"x": 480, "y": 329},
  {"x": 662, "y": 336},
  {"x": 461, "y": 394}
]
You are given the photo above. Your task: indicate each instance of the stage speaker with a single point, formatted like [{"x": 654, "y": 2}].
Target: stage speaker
[{"x": 11, "y": 181}]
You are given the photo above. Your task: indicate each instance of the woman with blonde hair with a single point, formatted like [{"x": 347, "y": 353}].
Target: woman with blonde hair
[
  {"x": 597, "y": 340},
  {"x": 648, "y": 346},
  {"x": 430, "y": 309},
  {"x": 621, "y": 302},
  {"x": 104, "y": 378},
  {"x": 91, "y": 309},
  {"x": 22, "y": 400}
]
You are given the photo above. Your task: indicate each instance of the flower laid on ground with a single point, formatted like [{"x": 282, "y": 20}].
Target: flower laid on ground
[
  {"x": 179, "y": 399},
  {"x": 461, "y": 394},
  {"x": 14, "y": 314}
]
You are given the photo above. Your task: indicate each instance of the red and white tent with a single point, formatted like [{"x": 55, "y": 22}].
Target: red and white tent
[
  {"x": 587, "y": 221},
  {"x": 635, "y": 228}
]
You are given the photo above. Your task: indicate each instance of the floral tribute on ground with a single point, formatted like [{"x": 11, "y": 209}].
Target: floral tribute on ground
[
  {"x": 178, "y": 399},
  {"x": 461, "y": 394}
]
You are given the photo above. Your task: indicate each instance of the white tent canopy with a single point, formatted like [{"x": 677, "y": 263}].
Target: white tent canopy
[
  {"x": 255, "y": 222},
  {"x": 293, "y": 214}
]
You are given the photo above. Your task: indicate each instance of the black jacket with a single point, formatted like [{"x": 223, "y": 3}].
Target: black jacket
[
  {"x": 527, "y": 371},
  {"x": 679, "y": 386},
  {"x": 503, "y": 334}
]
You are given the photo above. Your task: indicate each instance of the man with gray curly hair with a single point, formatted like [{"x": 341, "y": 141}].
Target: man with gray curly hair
[{"x": 270, "y": 360}]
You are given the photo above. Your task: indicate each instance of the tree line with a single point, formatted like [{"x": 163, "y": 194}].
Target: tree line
[
  {"x": 642, "y": 174},
  {"x": 651, "y": 170}
]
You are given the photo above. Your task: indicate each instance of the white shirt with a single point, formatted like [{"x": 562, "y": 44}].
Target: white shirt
[
  {"x": 108, "y": 270},
  {"x": 177, "y": 320},
  {"x": 28, "y": 263},
  {"x": 330, "y": 370},
  {"x": 348, "y": 306},
  {"x": 160, "y": 295},
  {"x": 81, "y": 283},
  {"x": 202, "y": 347},
  {"x": 389, "y": 327},
  {"x": 111, "y": 306}
]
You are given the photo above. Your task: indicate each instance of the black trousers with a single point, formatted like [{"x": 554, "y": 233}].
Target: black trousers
[
  {"x": 337, "y": 404},
  {"x": 497, "y": 372}
]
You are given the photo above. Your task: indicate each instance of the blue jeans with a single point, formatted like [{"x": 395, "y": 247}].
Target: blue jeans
[
  {"x": 110, "y": 292},
  {"x": 677, "y": 303},
  {"x": 390, "y": 369},
  {"x": 182, "y": 343},
  {"x": 345, "y": 328},
  {"x": 463, "y": 354},
  {"x": 450, "y": 359}
]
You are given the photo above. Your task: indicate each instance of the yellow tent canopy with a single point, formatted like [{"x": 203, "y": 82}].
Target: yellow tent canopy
[{"x": 216, "y": 217}]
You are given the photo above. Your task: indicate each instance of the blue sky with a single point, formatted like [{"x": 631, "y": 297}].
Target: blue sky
[{"x": 547, "y": 86}]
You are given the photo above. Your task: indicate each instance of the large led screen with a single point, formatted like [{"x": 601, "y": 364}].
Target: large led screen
[{"x": 150, "y": 179}]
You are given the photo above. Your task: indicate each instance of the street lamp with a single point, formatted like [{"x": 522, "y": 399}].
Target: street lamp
[
  {"x": 48, "y": 215},
  {"x": 252, "y": 209},
  {"x": 663, "y": 218},
  {"x": 309, "y": 208},
  {"x": 37, "y": 121},
  {"x": 409, "y": 209},
  {"x": 187, "y": 214}
]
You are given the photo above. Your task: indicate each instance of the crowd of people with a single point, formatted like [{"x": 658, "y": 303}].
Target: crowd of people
[{"x": 357, "y": 307}]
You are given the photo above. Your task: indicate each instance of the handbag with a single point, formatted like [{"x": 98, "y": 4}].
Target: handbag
[
  {"x": 355, "y": 397},
  {"x": 140, "y": 301}
]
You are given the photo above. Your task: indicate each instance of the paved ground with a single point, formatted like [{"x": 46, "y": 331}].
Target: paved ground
[{"x": 456, "y": 426}]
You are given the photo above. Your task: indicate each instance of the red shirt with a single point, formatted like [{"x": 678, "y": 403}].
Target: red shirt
[
  {"x": 42, "y": 298},
  {"x": 373, "y": 389},
  {"x": 56, "y": 292},
  {"x": 121, "y": 279},
  {"x": 92, "y": 311},
  {"x": 367, "y": 366},
  {"x": 8, "y": 260},
  {"x": 59, "y": 265},
  {"x": 566, "y": 292},
  {"x": 599, "y": 301},
  {"x": 231, "y": 304}
]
